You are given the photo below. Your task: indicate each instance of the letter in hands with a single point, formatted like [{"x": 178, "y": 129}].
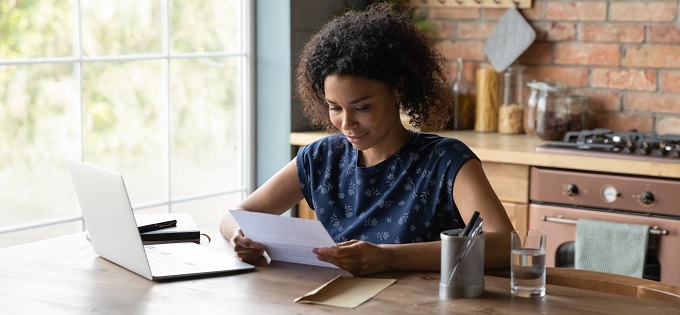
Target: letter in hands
[{"x": 244, "y": 248}]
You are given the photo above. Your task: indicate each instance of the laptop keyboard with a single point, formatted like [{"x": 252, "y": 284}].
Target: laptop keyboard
[
  {"x": 183, "y": 259},
  {"x": 163, "y": 262}
]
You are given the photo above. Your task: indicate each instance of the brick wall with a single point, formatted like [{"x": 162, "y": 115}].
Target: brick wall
[{"x": 625, "y": 55}]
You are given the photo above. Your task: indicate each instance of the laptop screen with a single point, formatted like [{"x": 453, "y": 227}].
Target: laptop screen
[{"x": 108, "y": 216}]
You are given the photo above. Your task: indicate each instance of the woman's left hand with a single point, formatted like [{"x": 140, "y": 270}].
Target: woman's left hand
[{"x": 356, "y": 257}]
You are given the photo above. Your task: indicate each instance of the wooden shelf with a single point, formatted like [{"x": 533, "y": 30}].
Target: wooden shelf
[{"x": 493, "y": 4}]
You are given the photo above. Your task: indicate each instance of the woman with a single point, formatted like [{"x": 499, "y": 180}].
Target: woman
[{"x": 383, "y": 192}]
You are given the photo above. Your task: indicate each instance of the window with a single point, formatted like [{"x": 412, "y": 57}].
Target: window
[{"x": 156, "y": 90}]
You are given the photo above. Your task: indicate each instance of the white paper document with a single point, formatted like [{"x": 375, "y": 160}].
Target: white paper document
[{"x": 285, "y": 238}]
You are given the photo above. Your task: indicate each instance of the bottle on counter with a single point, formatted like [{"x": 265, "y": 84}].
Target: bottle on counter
[
  {"x": 529, "y": 120},
  {"x": 488, "y": 99},
  {"x": 511, "y": 110},
  {"x": 552, "y": 112},
  {"x": 463, "y": 111}
]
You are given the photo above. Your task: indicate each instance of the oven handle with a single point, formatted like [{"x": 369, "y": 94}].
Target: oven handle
[{"x": 654, "y": 230}]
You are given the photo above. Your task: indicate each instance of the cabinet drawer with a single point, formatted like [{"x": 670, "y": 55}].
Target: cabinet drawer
[{"x": 509, "y": 181}]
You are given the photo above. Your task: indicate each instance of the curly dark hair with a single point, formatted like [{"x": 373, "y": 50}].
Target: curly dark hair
[{"x": 379, "y": 44}]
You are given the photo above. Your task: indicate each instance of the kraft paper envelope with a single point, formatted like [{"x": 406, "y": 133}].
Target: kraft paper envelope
[{"x": 348, "y": 292}]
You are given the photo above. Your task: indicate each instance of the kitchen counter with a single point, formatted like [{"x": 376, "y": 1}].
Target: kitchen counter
[{"x": 521, "y": 150}]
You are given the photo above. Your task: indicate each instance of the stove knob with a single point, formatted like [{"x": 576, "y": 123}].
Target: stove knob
[
  {"x": 647, "y": 198},
  {"x": 571, "y": 190}
]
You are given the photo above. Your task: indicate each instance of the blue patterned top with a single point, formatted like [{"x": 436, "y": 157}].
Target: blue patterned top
[{"x": 404, "y": 199}]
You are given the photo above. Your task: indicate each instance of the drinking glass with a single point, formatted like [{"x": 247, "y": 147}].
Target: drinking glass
[{"x": 527, "y": 269}]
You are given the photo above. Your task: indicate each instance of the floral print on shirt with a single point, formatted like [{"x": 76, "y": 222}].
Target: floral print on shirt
[{"x": 404, "y": 199}]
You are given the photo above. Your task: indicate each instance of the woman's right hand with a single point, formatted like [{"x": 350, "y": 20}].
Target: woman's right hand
[{"x": 244, "y": 248}]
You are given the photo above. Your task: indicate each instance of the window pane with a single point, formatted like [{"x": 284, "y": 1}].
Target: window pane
[
  {"x": 206, "y": 125},
  {"x": 167, "y": 123},
  {"x": 30, "y": 29},
  {"x": 205, "y": 26},
  {"x": 121, "y": 27},
  {"x": 125, "y": 124},
  {"x": 40, "y": 126}
]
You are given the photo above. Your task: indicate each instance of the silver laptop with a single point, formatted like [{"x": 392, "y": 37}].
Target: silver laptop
[{"x": 113, "y": 231}]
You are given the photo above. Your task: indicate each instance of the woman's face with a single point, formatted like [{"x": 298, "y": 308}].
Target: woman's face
[{"x": 365, "y": 111}]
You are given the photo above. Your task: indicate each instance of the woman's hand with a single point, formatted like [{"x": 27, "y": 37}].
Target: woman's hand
[
  {"x": 244, "y": 248},
  {"x": 356, "y": 257}
]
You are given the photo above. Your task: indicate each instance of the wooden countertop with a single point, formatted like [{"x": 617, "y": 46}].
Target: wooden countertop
[
  {"x": 64, "y": 276},
  {"x": 521, "y": 149}
]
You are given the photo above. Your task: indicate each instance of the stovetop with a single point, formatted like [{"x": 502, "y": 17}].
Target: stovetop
[{"x": 629, "y": 145}]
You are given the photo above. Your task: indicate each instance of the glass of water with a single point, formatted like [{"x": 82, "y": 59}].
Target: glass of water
[{"x": 527, "y": 270}]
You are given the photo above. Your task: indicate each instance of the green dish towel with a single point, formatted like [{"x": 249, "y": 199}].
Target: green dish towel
[{"x": 611, "y": 247}]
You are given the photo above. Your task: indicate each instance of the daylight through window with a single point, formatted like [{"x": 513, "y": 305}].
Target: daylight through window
[{"x": 156, "y": 90}]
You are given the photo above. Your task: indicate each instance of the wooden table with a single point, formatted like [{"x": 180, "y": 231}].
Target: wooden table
[{"x": 64, "y": 275}]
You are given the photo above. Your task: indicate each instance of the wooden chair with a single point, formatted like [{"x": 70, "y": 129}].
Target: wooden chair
[{"x": 613, "y": 283}]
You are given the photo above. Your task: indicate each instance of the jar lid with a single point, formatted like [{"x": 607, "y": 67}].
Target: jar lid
[{"x": 548, "y": 85}]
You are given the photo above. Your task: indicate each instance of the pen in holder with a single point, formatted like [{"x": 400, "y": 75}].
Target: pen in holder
[{"x": 462, "y": 264}]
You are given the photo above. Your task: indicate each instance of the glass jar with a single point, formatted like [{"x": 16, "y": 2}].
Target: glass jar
[
  {"x": 488, "y": 98},
  {"x": 511, "y": 110},
  {"x": 463, "y": 111},
  {"x": 529, "y": 120},
  {"x": 580, "y": 116},
  {"x": 552, "y": 112}
]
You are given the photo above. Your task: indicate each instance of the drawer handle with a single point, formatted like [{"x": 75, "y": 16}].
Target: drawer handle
[{"x": 654, "y": 230}]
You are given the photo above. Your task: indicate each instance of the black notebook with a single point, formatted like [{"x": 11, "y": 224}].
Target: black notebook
[{"x": 186, "y": 229}]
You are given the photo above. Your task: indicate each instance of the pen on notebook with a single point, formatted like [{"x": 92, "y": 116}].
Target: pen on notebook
[{"x": 157, "y": 226}]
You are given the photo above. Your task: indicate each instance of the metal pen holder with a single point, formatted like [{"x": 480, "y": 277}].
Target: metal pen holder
[{"x": 462, "y": 265}]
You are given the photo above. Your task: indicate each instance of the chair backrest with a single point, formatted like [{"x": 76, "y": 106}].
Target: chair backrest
[{"x": 613, "y": 283}]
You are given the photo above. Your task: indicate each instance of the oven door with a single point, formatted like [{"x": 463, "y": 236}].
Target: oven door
[{"x": 559, "y": 223}]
